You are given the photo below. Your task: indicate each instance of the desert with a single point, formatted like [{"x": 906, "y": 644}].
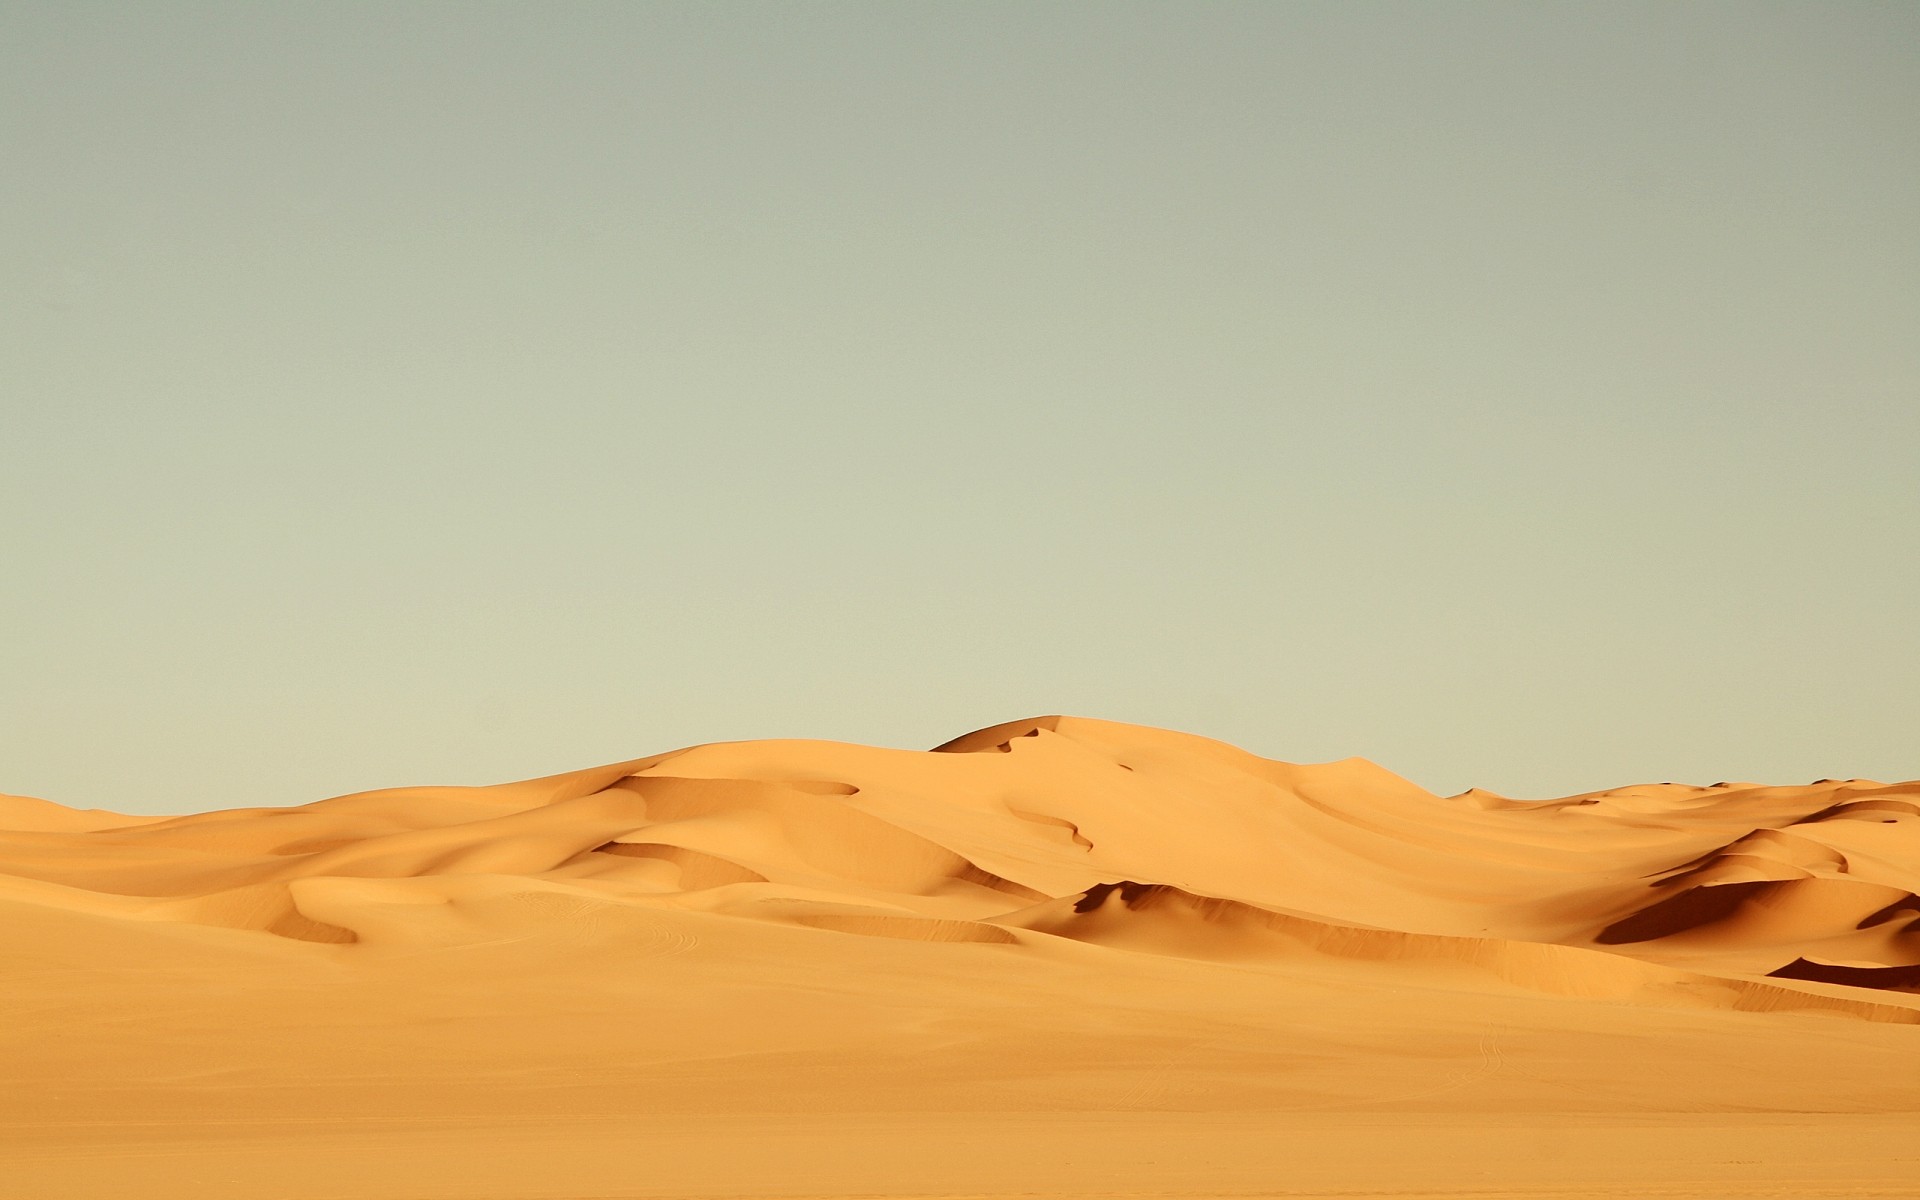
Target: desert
[
  {"x": 1056, "y": 957},
  {"x": 510, "y": 510}
]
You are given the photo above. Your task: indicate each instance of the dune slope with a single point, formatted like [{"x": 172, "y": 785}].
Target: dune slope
[{"x": 1050, "y": 916}]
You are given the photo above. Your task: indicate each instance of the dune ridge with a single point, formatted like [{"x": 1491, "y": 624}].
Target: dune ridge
[
  {"x": 1053, "y": 915},
  {"x": 1744, "y": 879}
]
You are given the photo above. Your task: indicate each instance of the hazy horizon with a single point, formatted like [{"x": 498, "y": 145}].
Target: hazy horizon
[{"x": 1517, "y": 396}]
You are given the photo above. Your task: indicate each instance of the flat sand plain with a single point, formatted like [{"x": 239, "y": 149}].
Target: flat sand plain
[{"x": 1055, "y": 958}]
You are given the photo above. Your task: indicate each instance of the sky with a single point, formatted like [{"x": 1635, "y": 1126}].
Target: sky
[{"x": 1519, "y": 396}]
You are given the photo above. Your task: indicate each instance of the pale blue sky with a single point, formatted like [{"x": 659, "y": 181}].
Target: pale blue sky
[{"x": 1523, "y": 396}]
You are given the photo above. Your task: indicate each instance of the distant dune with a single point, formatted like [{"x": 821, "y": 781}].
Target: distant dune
[{"x": 1056, "y": 915}]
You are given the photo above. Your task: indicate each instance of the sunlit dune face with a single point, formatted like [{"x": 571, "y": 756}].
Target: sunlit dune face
[{"x": 1063, "y": 911}]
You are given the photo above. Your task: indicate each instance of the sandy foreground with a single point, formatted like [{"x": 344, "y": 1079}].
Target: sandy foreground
[{"x": 1056, "y": 958}]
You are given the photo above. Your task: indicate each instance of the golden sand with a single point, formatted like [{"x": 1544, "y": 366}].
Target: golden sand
[{"x": 1056, "y": 958}]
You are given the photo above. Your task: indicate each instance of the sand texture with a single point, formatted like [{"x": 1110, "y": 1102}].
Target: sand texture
[{"x": 1054, "y": 958}]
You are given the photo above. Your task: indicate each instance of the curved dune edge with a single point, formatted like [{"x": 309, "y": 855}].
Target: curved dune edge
[
  {"x": 28, "y": 814},
  {"x": 1156, "y": 918},
  {"x": 1022, "y": 835}
]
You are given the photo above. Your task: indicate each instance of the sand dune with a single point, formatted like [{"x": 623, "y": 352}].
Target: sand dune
[{"x": 1049, "y": 916}]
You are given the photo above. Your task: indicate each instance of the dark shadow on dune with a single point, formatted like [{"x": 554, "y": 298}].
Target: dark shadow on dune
[
  {"x": 1889, "y": 979},
  {"x": 1689, "y": 910},
  {"x": 1909, "y": 905},
  {"x": 1131, "y": 894},
  {"x": 997, "y": 737}
]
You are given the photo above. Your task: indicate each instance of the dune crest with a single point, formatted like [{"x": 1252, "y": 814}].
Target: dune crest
[
  {"x": 1208, "y": 850},
  {"x": 1056, "y": 915}
]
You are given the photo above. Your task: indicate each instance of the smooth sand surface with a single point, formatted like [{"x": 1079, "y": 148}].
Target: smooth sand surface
[{"x": 1056, "y": 958}]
